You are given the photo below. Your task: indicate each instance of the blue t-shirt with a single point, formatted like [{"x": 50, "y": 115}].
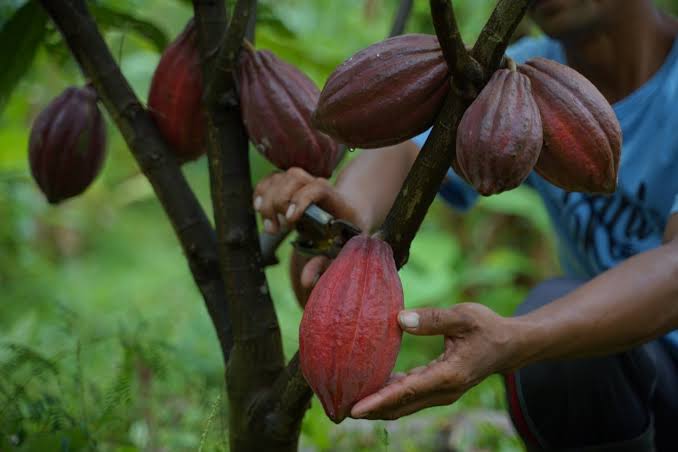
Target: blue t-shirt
[{"x": 597, "y": 232}]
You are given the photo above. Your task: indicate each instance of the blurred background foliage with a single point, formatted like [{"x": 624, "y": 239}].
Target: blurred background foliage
[{"x": 104, "y": 340}]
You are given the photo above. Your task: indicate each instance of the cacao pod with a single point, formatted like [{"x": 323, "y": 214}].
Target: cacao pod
[
  {"x": 349, "y": 336},
  {"x": 500, "y": 135},
  {"x": 67, "y": 144},
  {"x": 384, "y": 94},
  {"x": 276, "y": 100},
  {"x": 175, "y": 97},
  {"x": 582, "y": 136}
]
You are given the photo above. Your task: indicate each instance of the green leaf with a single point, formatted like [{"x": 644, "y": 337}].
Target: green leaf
[
  {"x": 108, "y": 17},
  {"x": 20, "y": 38}
]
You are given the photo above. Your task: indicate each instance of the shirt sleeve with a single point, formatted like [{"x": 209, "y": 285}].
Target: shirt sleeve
[{"x": 674, "y": 208}]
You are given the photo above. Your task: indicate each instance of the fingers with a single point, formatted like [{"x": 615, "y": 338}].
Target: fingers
[
  {"x": 315, "y": 191},
  {"x": 272, "y": 196},
  {"x": 425, "y": 385},
  {"x": 312, "y": 271},
  {"x": 438, "y": 399},
  {"x": 434, "y": 321}
]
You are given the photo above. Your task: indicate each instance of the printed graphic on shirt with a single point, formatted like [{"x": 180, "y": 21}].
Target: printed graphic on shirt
[{"x": 610, "y": 229}]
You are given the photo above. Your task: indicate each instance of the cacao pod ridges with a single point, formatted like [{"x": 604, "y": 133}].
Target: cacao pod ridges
[
  {"x": 349, "y": 335},
  {"x": 582, "y": 136},
  {"x": 175, "y": 97},
  {"x": 67, "y": 144},
  {"x": 500, "y": 135},
  {"x": 276, "y": 101},
  {"x": 384, "y": 94}
]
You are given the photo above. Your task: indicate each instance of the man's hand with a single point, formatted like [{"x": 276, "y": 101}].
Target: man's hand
[
  {"x": 478, "y": 343},
  {"x": 282, "y": 197}
]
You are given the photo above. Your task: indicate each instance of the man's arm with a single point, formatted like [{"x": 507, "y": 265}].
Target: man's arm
[{"x": 630, "y": 304}]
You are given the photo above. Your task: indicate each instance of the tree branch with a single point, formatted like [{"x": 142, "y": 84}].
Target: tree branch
[
  {"x": 404, "y": 10},
  {"x": 189, "y": 221},
  {"x": 462, "y": 65},
  {"x": 496, "y": 34},
  {"x": 291, "y": 397},
  {"x": 429, "y": 169}
]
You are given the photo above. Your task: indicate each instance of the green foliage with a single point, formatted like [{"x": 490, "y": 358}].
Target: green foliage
[{"x": 16, "y": 55}]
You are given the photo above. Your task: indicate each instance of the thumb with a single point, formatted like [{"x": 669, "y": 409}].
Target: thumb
[{"x": 434, "y": 321}]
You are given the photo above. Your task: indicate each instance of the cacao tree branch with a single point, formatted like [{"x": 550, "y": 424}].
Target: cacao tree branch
[
  {"x": 496, "y": 34},
  {"x": 401, "y": 17},
  {"x": 291, "y": 395},
  {"x": 429, "y": 169},
  {"x": 187, "y": 217},
  {"x": 256, "y": 359},
  {"x": 462, "y": 65}
]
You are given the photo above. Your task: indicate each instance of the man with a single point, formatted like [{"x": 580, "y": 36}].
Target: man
[{"x": 577, "y": 375}]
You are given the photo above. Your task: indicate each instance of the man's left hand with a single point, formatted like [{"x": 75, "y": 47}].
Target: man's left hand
[{"x": 478, "y": 342}]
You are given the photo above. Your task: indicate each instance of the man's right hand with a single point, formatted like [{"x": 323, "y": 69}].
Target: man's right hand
[{"x": 282, "y": 197}]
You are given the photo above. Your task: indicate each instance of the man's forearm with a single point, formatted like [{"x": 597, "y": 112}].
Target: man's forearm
[
  {"x": 628, "y": 305},
  {"x": 370, "y": 183}
]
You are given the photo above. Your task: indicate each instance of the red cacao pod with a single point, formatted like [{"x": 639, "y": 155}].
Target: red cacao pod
[
  {"x": 67, "y": 145},
  {"x": 384, "y": 94},
  {"x": 582, "y": 136},
  {"x": 175, "y": 97},
  {"x": 349, "y": 336},
  {"x": 276, "y": 100},
  {"x": 500, "y": 135}
]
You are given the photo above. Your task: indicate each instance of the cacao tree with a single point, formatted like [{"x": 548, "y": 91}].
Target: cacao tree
[{"x": 268, "y": 395}]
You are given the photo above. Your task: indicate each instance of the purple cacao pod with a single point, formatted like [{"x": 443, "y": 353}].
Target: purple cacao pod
[
  {"x": 67, "y": 144},
  {"x": 500, "y": 135},
  {"x": 276, "y": 100}
]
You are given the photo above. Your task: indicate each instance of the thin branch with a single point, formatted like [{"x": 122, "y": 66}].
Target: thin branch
[
  {"x": 404, "y": 10},
  {"x": 462, "y": 66},
  {"x": 189, "y": 221},
  {"x": 220, "y": 78},
  {"x": 429, "y": 169},
  {"x": 497, "y": 32},
  {"x": 292, "y": 395}
]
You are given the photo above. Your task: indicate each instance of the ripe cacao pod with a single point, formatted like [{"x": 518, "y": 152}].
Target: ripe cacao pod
[
  {"x": 384, "y": 94},
  {"x": 276, "y": 101},
  {"x": 349, "y": 336},
  {"x": 500, "y": 135},
  {"x": 175, "y": 97},
  {"x": 67, "y": 144},
  {"x": 582, "y": 136}
]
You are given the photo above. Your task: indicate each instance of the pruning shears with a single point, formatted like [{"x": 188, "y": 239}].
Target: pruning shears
[{"x": 320, "y": 234}]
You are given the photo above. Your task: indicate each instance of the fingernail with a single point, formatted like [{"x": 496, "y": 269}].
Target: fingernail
[
  {"x": 408, "y": 319},
  {"x": 290, "y": 211},
  {"x": 315, "y": 279},
  {"x": 268, "y": 226},
  {"x": 258, "y": 201},
  {"x": 282, "y": 221}
]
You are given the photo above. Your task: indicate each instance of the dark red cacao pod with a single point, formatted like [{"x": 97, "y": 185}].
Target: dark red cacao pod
[
  {"x": 67, "y": 144},
  {"x": 175, "y": 97},
  {"x": 349, "y": 336},
  {"x": 500, "y": 135},
  {"x": 582, "y": 136},
  {"x": 276, "y": 101},
  {"x": 384, "y": 94}
]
